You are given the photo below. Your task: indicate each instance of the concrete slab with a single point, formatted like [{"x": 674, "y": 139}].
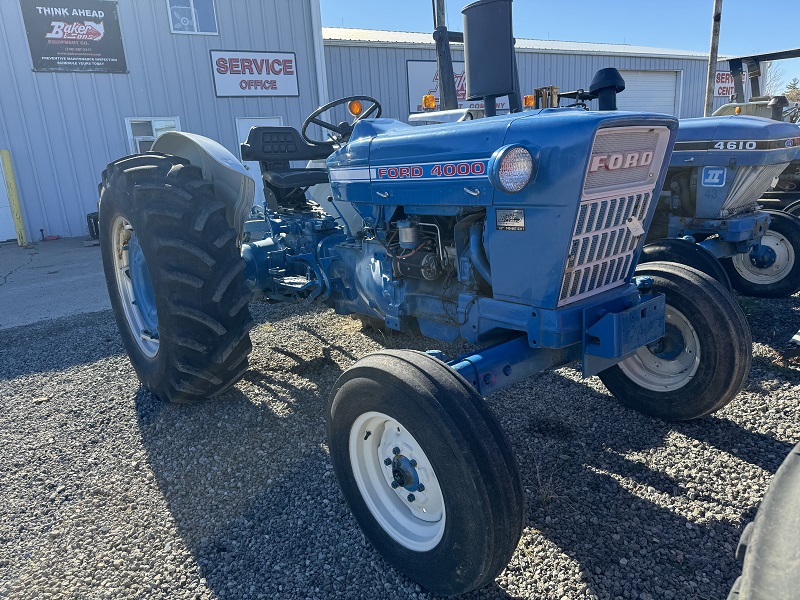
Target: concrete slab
[{"x": 49, "y": 280}]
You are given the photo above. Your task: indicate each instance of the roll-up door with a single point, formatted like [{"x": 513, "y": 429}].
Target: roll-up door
[{"x": 653, "y": 91}]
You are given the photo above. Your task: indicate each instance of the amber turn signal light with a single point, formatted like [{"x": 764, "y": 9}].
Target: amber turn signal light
[
  {"x": 428, "y": 102},
  {"x": 355, "y": 107}
]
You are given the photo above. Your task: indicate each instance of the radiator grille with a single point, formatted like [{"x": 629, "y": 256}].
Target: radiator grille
[
  {"x": 603, "y": 244},
  {"x": 748, "y": 186}
]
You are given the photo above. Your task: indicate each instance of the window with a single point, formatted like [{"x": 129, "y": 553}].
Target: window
[
  {"x": 192, "y": 16},
  {"x": 143, "y": 132}
]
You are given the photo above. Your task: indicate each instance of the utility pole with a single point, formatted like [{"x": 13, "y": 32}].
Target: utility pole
[
  {"x": 712, "y": 58},
  {"x": 447, "y": 86}
]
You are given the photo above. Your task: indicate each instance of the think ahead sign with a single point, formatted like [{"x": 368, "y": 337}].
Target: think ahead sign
[{"x": 74, "y": 35}]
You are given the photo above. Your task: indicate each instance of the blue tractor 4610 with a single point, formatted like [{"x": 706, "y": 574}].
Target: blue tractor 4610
[
  {"x": 518, "y": 233},
  {"x": 720, "y": 168}
]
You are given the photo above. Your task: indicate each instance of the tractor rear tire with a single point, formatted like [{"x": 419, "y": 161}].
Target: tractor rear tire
[
  {"x": 781, "y": 278},
  {"x": 174, "y": 276},
  {"x": 768, "y": 547},
  {"x": 703, "y": 359},
  {"x": 401, "y": 418},
  {"x": 686, "y": 253}
]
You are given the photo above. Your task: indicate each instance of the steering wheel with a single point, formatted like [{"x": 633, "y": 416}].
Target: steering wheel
[{"x": 343, "y": 130}]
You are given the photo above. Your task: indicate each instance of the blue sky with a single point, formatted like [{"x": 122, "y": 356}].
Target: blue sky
[{"x": 747, "y": 27}]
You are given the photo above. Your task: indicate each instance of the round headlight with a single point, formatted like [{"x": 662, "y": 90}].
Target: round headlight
[{"x": 511, "y": 168}]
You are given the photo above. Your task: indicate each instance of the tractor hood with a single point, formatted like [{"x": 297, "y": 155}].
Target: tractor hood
[
  {"x": 442, "y": 169},
  {"x": 749, "y": 141}
]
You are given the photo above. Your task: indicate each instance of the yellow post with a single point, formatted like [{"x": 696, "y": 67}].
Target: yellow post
[{"x": 13, "y": 196}]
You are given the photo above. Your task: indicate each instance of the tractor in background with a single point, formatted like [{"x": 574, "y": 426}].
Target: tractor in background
[
  {"x": 708, "y": 214},
  {"x": 722, "y": 170},
  {"x": 518, "y": 233},
  {"x": 783, "y": 192}
]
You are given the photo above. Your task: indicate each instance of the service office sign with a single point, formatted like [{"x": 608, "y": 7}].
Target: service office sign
[
  {"x": 423, "y": 78},
  {"x": 254, "y": 73},
  {"x": 74, "y": 35}
]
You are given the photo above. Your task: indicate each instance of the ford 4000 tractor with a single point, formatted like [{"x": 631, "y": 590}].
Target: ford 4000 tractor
[{"x": 518, "y": 233}]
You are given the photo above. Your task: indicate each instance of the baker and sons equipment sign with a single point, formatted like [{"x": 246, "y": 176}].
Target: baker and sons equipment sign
[
  {"x": 423, "y": 79},
  {"x": 74, "y": 35},
  {"x": 254, "y": 73}
]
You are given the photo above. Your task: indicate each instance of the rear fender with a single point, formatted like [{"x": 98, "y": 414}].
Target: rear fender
[{"x": 231, "y": 182}]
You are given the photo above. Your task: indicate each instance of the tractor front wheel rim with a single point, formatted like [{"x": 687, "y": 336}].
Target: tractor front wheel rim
[
  {"x": 397, "y": 481},
  {"x": 778, "y": 269}
]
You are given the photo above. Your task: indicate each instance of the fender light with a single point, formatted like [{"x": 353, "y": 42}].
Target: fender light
[
  {"x": 428, "y": 102},
  {"x": 511, "y": 168}
]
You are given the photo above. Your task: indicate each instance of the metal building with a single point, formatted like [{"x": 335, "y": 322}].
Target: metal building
[
  {"x": 399, "y": 67},
  {"x": 88, "y": 81},
  {"x": 63, "y": 125}
]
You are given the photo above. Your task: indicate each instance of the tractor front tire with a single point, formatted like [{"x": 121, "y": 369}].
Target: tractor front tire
[
  {"x": 703, "y": 359},
  {"x": 686, "y": 253},
  {"x": 175, "y": 277},
  {"x": 426, "y": 470},
  {"x": 779, "y": 277}
]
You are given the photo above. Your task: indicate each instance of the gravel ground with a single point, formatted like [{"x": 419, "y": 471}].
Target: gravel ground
[{"x": 108, "y": 493}]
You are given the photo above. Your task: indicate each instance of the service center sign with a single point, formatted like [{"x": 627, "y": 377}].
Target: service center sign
[
  {"x": 723, "y": 84},
  {"x": 423, "y": 78},
  {"x": 254, "y": 73},
  {"x": 74, "y": 35}
]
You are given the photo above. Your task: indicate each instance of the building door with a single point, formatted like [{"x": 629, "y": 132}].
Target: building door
[
  {"x": 243, "y": 127},
  {"x": 7, "y": 229},
  {"x": 653, "y": 91}
]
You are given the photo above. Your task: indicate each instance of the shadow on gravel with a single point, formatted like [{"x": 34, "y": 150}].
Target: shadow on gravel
[
  {"x": 749, "y": 446},
  {"x": 58, "y": 344},
  {"x": 248, "y": 481},
  {"x": 662, "y": 523}
]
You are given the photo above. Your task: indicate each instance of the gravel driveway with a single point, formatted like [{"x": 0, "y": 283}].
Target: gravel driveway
[{"x": 108, "y": 493}]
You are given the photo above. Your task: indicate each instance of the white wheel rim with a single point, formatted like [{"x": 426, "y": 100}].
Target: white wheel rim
[
  {"x": 784, "y": 261},
  {"x": 122, "y": 231},
  {"x": 417, "y": 524},
  {"x": 662, "y": 372}
]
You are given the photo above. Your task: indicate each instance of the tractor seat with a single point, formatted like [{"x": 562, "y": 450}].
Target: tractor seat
[
  {"x": 296, "y": 178},
  {"x": 275, "y": 147}
]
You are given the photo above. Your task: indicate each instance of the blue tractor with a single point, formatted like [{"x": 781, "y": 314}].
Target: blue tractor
[
  {"x": 517, "y": 233},
  {"x": 720, "y": 168}
]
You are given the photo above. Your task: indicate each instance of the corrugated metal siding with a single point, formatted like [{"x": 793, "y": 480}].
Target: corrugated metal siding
[
  {"x": 380, "y": 71},
  {"x": 63, "y": 128}
]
